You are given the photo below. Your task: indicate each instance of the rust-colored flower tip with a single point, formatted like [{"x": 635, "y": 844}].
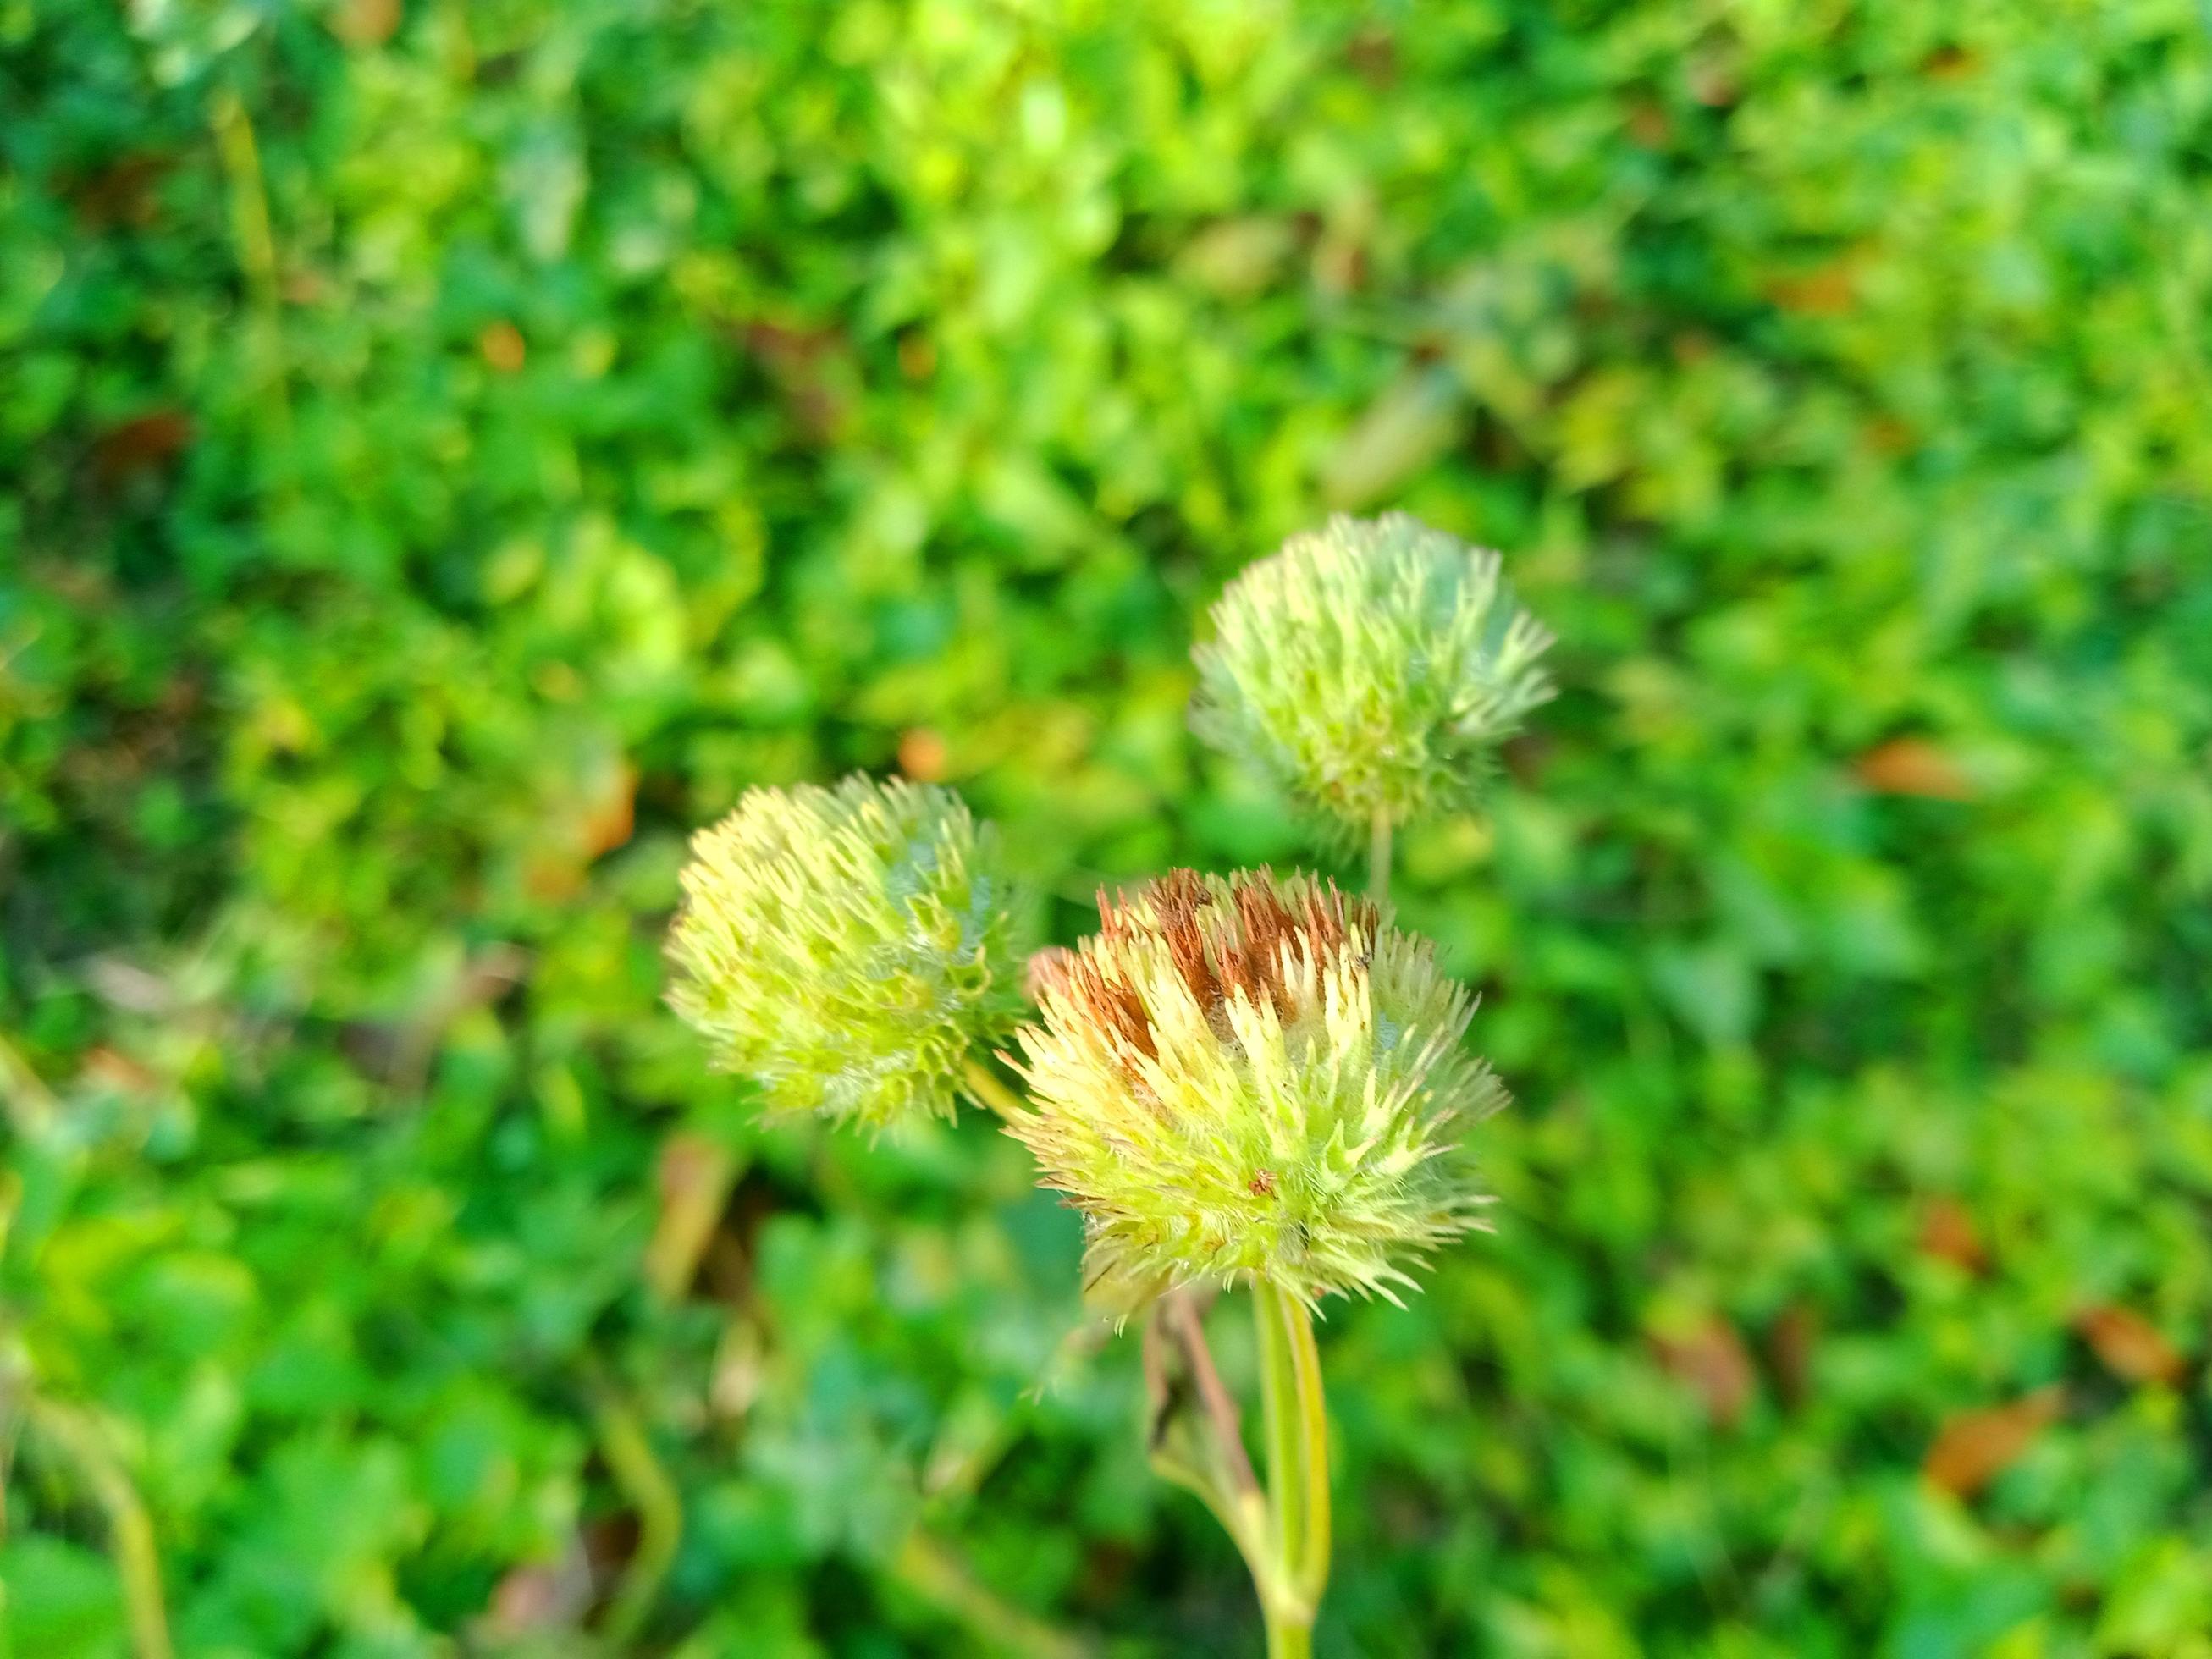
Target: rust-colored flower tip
[{"x": 1253, "y": 1077}]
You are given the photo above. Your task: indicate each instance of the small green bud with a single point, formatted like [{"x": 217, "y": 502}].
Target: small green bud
[
  {"x": 1249, "y": 1078},
  {"x": 847, "y": 948},
  {"x": 1370, "y": 667}
]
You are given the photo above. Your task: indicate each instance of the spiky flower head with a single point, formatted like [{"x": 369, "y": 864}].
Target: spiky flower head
[
  {"x": 1371, "y": 666},
  {"x": 1253, "y": 1077},
  {"x": 847, "y": 948}
]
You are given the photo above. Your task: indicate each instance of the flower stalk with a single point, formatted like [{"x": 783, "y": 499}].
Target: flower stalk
[
  {"x": 1298, "y": 1469},
  {"x": 985, "y": 1089},
  {"x": 1196, "y": 1440},
  {"x": 1378, "y": 856}
]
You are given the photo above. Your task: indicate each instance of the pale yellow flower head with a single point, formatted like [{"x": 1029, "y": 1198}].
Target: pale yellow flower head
[
  {"x": 1372, "y": 666},
  {"x": 847, "y": 949}
]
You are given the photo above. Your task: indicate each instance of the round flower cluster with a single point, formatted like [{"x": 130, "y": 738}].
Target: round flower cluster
[
  {"x": 847, "y": 948},
  {"x": 1253, "y": 1077},
  {"x": 1372, "y": 668}
]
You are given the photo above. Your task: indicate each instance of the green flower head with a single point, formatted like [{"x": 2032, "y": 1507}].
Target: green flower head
[
  {"x": 1371, "y": 666},
  {"x": 847, "y": 948},
  {"x": 1250, "y": 1077}
]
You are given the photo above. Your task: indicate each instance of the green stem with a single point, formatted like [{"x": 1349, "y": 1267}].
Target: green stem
[
  {"x": 1378, "y": 856},
  {"x": 137, "y": 1563},
  {"x": 255, "y": 246},
  {"x": 1278, "y": 1386},
  {"x": 638, "y": 1473},
  {"x": 1313, "y": 1433},
  {"x": 934, "y": 1571},
  {"x": 1297, "y": 1469},
  {"x": 983, "y": 1084}
]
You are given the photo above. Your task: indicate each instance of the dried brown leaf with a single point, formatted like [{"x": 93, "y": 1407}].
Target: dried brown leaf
[
  {"x": 366, "y": 22},
  {"x": 1948, "y": 1234},
  {"x": 694, "y": 1179},
  {"x": 139, "y": 446},
  {"x": 1974, "y": 1447},
  {"x": 1711, "y": 1359},
  {"x": 1831, "y": 291},
  {"x": 1912, "y": 766},
  {"x": 1791, "y": 1348},
  {"x": 503, "y": 347},
  {"x": 922, "y": 755},
  {"x": 611, "y": 817},
  {"x": 2131, "y": 1347}
]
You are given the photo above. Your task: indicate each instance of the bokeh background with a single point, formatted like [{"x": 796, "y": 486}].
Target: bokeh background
[{"x": 452, "y": 449}]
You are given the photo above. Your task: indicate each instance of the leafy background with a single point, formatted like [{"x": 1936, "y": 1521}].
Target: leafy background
[{"x": 452, "y": 449}]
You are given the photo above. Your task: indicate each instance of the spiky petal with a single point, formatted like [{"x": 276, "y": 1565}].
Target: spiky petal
[
  {"x": 847, "y": 948},
  {"x": 1254, "y": 1077},
  {"x": 1372, "y": 666}
]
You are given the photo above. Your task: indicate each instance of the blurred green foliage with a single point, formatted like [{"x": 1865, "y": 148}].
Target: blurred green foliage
[{"x": 452, "y": 449}]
